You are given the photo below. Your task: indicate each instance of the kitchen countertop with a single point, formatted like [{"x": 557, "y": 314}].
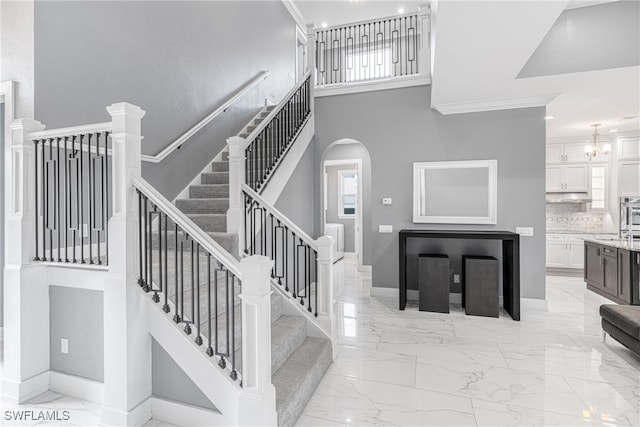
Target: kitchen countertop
[{"x": 617, "y": 243}]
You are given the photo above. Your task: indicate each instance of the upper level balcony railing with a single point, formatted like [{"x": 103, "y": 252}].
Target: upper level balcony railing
[{"x": 372, "y": 50}]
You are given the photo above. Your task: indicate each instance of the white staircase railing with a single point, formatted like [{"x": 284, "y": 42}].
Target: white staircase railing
[{"x": 92, "y": 175}]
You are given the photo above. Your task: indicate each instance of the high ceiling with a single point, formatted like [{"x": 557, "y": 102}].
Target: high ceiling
[{"x": 481, "y": 47}]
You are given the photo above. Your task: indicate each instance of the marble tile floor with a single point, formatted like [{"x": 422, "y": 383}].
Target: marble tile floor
[{"x": 414, "y": 368}]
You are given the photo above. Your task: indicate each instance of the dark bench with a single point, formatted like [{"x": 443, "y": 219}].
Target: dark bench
[{"x": 622, "y": 322}]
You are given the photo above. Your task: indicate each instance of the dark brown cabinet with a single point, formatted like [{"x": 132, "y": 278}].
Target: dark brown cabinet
[
  {"x": 625, "y": 274},
  {"x": 593, "y": 272},
  {"x": 612, "y": 272}
]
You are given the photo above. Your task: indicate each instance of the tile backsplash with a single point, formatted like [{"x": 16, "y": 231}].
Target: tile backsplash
[{"x": 573, "y": 218}]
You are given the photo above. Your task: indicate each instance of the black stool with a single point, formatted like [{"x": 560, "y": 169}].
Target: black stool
[
  {"x": 433, "y": 283},
  {"x": 480, "y": 283}
]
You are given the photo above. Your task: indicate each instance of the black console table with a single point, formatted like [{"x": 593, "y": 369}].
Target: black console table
[{"x": 510, "y": 261}]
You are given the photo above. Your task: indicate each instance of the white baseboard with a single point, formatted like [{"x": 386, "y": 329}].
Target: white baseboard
[
  {"x": 183, "y": 414},
  {"x": 136, "y": 417},
  {"x": 81, "y": 388},
  {"x": 20, "y": 391}
]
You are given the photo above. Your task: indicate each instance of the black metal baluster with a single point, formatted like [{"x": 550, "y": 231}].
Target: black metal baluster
[
  {"x": 140, "y": 216},
  {"x": 197, "y": 298},
  {"x": 166, "y": 307},
  {"x": 46, "y": 190},
  {"x": 149, "y": 285},
  {"x": 316, "y": 277},
  {"x": 216, "y": 271},
  {"x": 176, "y": 317},
  {"x": 156, "y": 297},
  {"x": 95, "y": 207},
  {"x": 78, "y": 225},
  {"x": 234, "y": 373},
  {"x": 226, "y": 312},
  {"x": 91, "y": 200},
  {"x": 146, "y": 246},
  {"x": 35, "y": 157},
  {"x": 56, "y": 199},
  {"x": 209, "y": 323},
  {"x": 295, "y": 266},
  {"x": 179, "y": 316},
  {"x": 187, "y": 328},
  {"x": 105, "y": 201},
  {"x": 67, "y": 211},
  {"x": 263, "y": 231},
  {"x": 307, "y": 254},
  {"x": 81, "y": 217},
  {"x": 285, "y": 273}
]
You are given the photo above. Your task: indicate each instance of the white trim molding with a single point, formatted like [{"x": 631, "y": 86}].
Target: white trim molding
[
  {"x": 295, "y": 13},
  {"x": 78, "y": 387},
  {"x": 371, "y": 86},
  {"x": 494, "y": 104},
  {"x": 182, "y": 414},
  {"x": 21, "y": 391}
]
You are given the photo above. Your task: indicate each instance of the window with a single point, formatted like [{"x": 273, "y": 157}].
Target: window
[{"x": 348, "y": 184}]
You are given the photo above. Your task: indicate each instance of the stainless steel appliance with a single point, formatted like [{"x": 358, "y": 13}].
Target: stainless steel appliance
[{"x": 630, "y": 216}]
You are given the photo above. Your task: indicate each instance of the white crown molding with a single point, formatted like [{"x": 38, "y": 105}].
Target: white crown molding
[
  {"x": 586, "y": 137},
  {"x": 295, "y": 14},
  {"x": 495, "y": 104},
  {"x": 576, "y": 4}
]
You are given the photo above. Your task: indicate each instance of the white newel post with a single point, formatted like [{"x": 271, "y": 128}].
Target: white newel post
[
  {"x": 26, "y": 294},
  {"x": 311, "y": 55},
  {"x": 258, "y": 396},
  {"x": 425, "y": 29},
  {"x": 326, "y": 291},
  {"x": 235, "y": 214},
  {"x": 127, "y": 345}
]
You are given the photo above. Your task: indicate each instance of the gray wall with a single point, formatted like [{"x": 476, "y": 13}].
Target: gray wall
[
  {"x": 398, "y": 127},
  {"x": 171, "y": 383},
  {"x": 589, "y": 38},
  {"x": 296, "y": 199},
  {"x": 177, "y": 60},
  {"x": 2, "y": 124},
  {"x": 333, "y": 192},
  {"x": 356, "y": 151},
  {"x": 77, "y": 314}
]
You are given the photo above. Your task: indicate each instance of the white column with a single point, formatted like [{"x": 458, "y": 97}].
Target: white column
[
  {"x": 424, "y": 58},
  {"x": 127, "y": 357},
  {"x": 326, "y": 290},
  {"x": 258, "y": 396},
  {"x": 235, "y": 214},
  {"x": 26, "y": 296},
  {"x": 311, "y": 52}
]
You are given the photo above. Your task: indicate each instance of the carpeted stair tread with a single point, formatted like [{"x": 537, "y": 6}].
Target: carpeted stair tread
[
  {"x": 215, "y": 178},
  {"x": 276, "y": 306},
  {"x": 209, "y": 191},
  {"x": 222, "y": 166},
  {"x": 210, "y": 222},
  {"x": 203, "y": 205},
  {"x": 287, "y": 333},
  {"x": 299, "y": 377}
]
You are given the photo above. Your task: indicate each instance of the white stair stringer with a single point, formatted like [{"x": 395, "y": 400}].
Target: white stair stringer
[
  {"x": 203, "y": 370},
  {"x": 276, "y": 183}
]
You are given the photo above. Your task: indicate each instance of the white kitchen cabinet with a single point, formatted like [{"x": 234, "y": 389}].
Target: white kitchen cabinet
[
  {"x": 629, "y": 178},
  {"x": 569, "y": 178},
  {"x": 628, "y": 148},
  {"x": 563, "y": 253},
  {"x": 565, "y": 153}
]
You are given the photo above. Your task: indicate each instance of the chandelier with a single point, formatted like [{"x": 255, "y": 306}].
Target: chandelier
[{"x": 594, "y": 148}]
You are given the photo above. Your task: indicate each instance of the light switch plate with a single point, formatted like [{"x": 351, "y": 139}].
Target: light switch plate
[
  {"x": 386, "y": 200},
  {"x": 525, "y": 231},
  {"x": 64, "y": 345},
  {"x": 385, "y": 228},
  {"x": 456, "y": 278}
]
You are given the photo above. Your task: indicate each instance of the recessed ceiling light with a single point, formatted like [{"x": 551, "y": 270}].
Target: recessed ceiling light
[
  {"x": 613, "y": 130},
  {"x": 401, "y": 10},
  {"x": 549, "y": 117},
  {"x": 324, "y": 25}
]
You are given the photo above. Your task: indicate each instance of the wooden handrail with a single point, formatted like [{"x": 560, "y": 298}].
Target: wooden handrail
[{"x": 202, "y": 123}]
